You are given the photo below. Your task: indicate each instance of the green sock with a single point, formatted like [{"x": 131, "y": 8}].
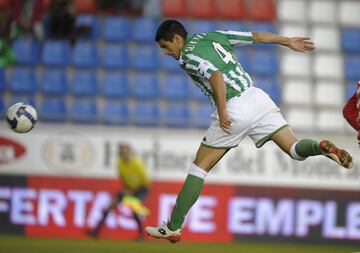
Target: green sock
[
  {"x": 306, "y": 148},
  {"x": 187, "y": 197}
]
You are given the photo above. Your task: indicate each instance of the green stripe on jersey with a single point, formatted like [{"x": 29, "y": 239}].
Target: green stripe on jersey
[
  {"x": 207, "y": 91},
  {"x": 202, "y": 55}
]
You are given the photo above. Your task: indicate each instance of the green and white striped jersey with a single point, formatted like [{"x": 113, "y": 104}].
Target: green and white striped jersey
[{"x": 205, "y": 53}]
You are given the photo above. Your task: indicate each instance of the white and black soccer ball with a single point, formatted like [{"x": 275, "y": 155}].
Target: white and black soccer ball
[{"x": 21, "y": 117}]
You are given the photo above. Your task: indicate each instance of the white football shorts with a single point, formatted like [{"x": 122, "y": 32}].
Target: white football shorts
[{"x": 253, "y": 114}]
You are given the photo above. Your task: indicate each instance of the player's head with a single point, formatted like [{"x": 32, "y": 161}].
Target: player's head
[
  {"x": 125, "y": 151},
  {"x": 171, "y": 36}
]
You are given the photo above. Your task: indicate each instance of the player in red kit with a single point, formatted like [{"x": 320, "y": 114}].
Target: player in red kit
[{"x": 351, "y": 111}]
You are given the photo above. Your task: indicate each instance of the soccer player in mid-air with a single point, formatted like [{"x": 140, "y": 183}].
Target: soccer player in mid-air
[
  {"x": 241, "y": 109},
  {"x": 351, "y": 111}
]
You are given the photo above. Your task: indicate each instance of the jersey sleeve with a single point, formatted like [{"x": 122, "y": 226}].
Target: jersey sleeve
[{"x": 237, "y": 38}]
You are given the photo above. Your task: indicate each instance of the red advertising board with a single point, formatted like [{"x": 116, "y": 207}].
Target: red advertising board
[{"x": 67, "y": 207}]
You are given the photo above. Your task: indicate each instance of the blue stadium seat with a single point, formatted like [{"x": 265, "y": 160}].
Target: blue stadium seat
[
  {"x": 242, "y": 56},
  {"x": 352, "y": 67},
  {"x": 2, "y": 81},
  {"x": 115, "y": 85},
  {"x": 231, "y": 25},
  {"x": 185, "y": 22},
  {"x": 22, "y": 98},
  {"x": 83, "y": 110},
  {"x": 264, "y": 63},
  {"x": 115, "y": 112},
  {"x": 271, "y": 87},
  {"x": 176, "y": 115},
  {"x": 202, "y": 26},
  {"x": 175, "y": 87},
  {"x": 263, "y": 27},
  {"x": 23, "y": 80},
  {"x": 55, "y": 53},
  {"x": 168, "y": 63},
  {"x": 84, "y": 83},
  {"x": 54, "y": 82},
  {"x": 115, "y": 56},
  {"x": 53, "y": 109},
  {"x": 90, "y": 21},
  {"x": 145, "y": 86},
  {"x": 143, "y": 29},
  {"x": 146, "y": 114},
  {"x": 201, "y": 115},
  {"x": 26, "y": 51},
  {"x": 350, "y": 40},
  {"x": 85, "y": 55},
  {"x": 197, "y": 94},
  {"x": 2, "y": 108},
  {"x": 116, "y": 28},
  {"x": 144, "y": 57},
  {"x": 350, "y": 89}
]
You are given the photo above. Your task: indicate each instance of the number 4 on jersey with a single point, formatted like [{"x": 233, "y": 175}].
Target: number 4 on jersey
[{"x": 225, "y": 55}]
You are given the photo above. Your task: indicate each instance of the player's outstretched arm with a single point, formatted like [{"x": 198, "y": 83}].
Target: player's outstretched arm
[{"x": 299, "y": 44}]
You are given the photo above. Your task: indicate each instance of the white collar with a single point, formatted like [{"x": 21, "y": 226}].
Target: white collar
[{"x": 181, "y": 61}]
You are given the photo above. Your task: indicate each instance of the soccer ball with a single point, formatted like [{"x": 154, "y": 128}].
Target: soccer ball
[{"x": 21, "y": 117}]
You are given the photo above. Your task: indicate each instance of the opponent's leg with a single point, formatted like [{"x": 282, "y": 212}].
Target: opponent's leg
[
  {"x": 205, "y": 159},
  {"x": 300, "y": 150},
  {"x": 95, "y": 232},
  {"x": 139, "y": 225}
]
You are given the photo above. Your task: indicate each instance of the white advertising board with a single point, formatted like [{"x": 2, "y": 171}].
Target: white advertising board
[{"x": 80, "y": 151}]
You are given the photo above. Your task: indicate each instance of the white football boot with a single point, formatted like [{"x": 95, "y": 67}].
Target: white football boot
[{"x": 164, "y": 232}]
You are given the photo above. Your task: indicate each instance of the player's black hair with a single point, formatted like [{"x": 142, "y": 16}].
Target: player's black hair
[{"x": 168, "y": 28}]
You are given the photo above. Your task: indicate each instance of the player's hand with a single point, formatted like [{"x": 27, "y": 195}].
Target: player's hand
[
  {"x": 301, "y": 44},
  {"x": 225, "y": 122}
]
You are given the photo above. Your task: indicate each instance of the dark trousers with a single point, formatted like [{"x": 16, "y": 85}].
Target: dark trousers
[{"x": 140, "y": 194}]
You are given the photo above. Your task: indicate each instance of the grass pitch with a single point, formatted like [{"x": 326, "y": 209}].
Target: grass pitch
[{"x": 12, "y": 244}]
